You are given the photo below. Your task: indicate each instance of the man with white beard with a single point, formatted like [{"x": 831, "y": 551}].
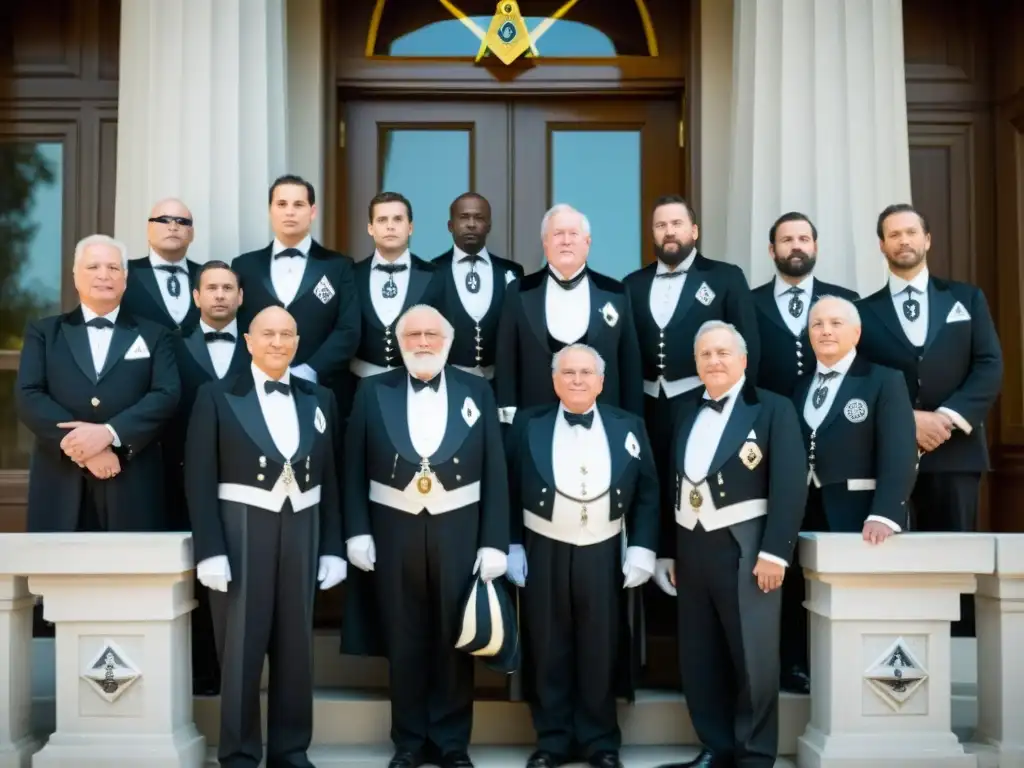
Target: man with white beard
[{"x": 426, "y": 507}]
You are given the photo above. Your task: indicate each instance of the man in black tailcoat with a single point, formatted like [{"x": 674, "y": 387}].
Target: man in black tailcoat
[
  {"x": 565, "y": 303},
  {"x": 939, "y": 334},
  {"x": 471, "y": 285},
  {"x": 260, "y": 475},
  {"x": 426, "y": 509},
  {"x": 739, "y": 492},
  {"x": 97, "y": 387}
]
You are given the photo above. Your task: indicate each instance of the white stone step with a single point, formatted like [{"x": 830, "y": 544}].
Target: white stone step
[{"x": 493, "y": 757}]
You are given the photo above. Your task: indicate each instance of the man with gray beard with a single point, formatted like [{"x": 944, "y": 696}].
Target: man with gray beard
[{"x": 426, "y": 508}]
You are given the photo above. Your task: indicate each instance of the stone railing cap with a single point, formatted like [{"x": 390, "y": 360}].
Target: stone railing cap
[
  {"x": 94, "y": 554},
  {"x": 1009, "y": 554},
  {"x": 920, "y": 553}
]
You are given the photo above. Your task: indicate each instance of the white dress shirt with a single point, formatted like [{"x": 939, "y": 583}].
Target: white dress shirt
[
  {"x": 475, "y": 304},
  {"x": 582, "y": 461},
  {"x": 783, "y": 296},
  {"x": 388, "y": 309},
  {"x": 177, "y": 306},
  {"x": 279, "y": 413},
  {"x": 916, "y": 330},
  {"x": 220, "y": 351},
  {"x": 427, "y": 415},
  {"x": 708, "y": 428},
  {"x": 568, "y": 311},
  {"x": 814, "y": 416},
  {"x": 286, "y": 273},
  {"x": 99, "y": 338},
  {"x": 665, "y": 291}
]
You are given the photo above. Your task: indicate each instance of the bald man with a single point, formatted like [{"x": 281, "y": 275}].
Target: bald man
[
  {"x": 266, "y": 519},
  {"x": 160, "y": 284}
]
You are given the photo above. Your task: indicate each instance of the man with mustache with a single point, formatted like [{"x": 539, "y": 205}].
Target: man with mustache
[
  {"x": 784, "y": 302},
  {"x": 940, "y": 335},
  {"x": 426, "y": 508},
  {"x": 783, "y": 306}
]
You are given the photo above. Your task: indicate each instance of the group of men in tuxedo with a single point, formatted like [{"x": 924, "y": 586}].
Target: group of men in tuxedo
[{"x": 397, "y": 413}]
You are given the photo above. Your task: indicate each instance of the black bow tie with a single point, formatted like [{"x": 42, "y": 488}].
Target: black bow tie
[
  {"x": 270, "y": 387},
  {"x": 716, "y": 405},
  {"x": 100, "y": 322},
  {"x": 673, "y": 273},
  {"x": 569, "y": 284},
  {"x": 585, "y": 420},
  {"x": 418, "y": 385},
  {"x": 219, "y": 336},
  {"x": 391, "y": 268},
  {"x": 472, "y": 258},
  {"x": 171, "y": 268},
  {"x": 288, "y": 253}
]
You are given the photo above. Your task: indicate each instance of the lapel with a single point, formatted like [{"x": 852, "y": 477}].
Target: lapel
[
  {"x": 883, "y": 308},
  {"x": 77, "y": 336},
  {"x": 597, "y": 327},
  {"x": 456, "y": 430},
  {"x": 533, "y": 300},
  {"x": 541, "y": 438},
  {"x": 312, "y": 274},
  {"x": 940, "y": 303},
  {"x": 361, "y": 275},
  {"x": 419, "y": 279},
  {"x": 683, "y": 436},
  {"x": 147, "y": 276},
  {"x": 394, "y": 407},
  {"x": 694, "y": 280},
  {"x": 306, "y": 406},
  {"x": 851, "y": 380},
  {"x": 800, "y": 392},
  {"x": 738, "y": 427},
  {"x": 265, "y": 259},
  {"x": 125, "y": 333},
  {"x": 764, "y": 297},
  {"x": 239, "y": 359},
  {"x": 498, "y": 293},
  {"x": 245, "y": 403},
  {"x": 195, "y": 343},
  {"x": 616, "y": 429}
]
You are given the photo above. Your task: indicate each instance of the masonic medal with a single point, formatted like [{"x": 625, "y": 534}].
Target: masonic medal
[
  {"x": 819, "y": 396},
  {"x": 911, "y": 309},
  {"x": 390, "y": 289},
  {"x": 473, "y": 281},
  {"x": 173, "y": 286},
  {"x": 424, "y": 483},
  {"x": 288, "y": 475},
  {"x": 750, "y": 455},
  {"x": 796, "y": 306},
  {"x": 696, "y": 499}
]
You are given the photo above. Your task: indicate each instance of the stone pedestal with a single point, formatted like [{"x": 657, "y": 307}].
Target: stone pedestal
[
  {"x": 1000, "y": 630},
  {"x": 121, "y": 606},
  {"x": 17, "y": 745},
  {"x": 880, "y": 647}
]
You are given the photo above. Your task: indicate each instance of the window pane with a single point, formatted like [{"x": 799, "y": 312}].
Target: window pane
[
  {"x": 598, "y": 173},
  {"x": 565, "y": 38},
  {"x": 15, "y": 440},
  {"x": 431, "y": 168},
  {"x": 30, "y": 236}
]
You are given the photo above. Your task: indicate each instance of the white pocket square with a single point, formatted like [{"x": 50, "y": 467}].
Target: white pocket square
[
  {"x": 958, "y": 314},
  {"x": 632, "y": 446},
  {"x": 138, "y": 350},
  {"x": 751, "y": 436},
  {"x": 470, "y": 412},
  {"x": 319, "y": 421}
]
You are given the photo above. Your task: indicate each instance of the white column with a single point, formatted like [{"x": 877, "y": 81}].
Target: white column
[
  {"x": 880, "y": 647},
  {"x": 201, "y": 116},
  {"x": 17, "y": 745},
  {"x": 121, "y": 604},
  {"x": 819, "y": 126},
  {"x": 1000, "y": 631}
]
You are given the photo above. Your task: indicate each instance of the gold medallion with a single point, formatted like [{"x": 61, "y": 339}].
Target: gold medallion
[
  {"x": 424, "y": 484},
  {"x": 288, "y": 475},
  {"x": 750, "y": 455},
  {"x": 696, "y": 499}
]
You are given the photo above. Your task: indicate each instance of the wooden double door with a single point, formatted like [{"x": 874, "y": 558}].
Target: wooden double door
[{"x": 610, "y": 158}]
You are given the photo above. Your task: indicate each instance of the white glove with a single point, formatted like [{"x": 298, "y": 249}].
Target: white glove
[
  {"x": 214, "y": 573},
  {"x": 517, "y": 565},
  {"x": 638, "y": 566},
  {"x": 303, "y": 371},
  {"x": 361, "y": 552},
  {"x": 490, "y": 563},
  {"x": 665, "y": 574},
  {"x": 333, "y": 571}
]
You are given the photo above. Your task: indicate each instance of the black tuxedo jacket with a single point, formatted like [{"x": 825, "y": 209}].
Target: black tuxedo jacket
[
  {"x": 780, "y": 476},
  {"x": 785, "y": 357},
  {"x": 142, "y": 297},
  {"x": 464, "y": 349},
  {"x": 57, "y": 382},
  {"x": 379, "y": 344},
  {"x": 523, "y": 373},
  {"x": 731, "y": 303},
  {"x": 634, "y": 488},
  {"x": 229, "y": 442},
  {"x": 328, "y": 329},
  {"x": 378, "y": 447},
  {"x": 867, "y": 435},
  {"x": 960, "y": 366}
]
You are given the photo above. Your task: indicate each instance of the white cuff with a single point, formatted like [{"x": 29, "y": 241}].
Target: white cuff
[
  {"x": 958, "y": 420},
  {"x": 113, "y": 433},
  {"x": 641, "y": 558},
  {"x": 772, "y": 559},
  {"x": 506, "y": 415},
  {"x": 305, "y": 372},
  {"x": 883, "y": 521}
]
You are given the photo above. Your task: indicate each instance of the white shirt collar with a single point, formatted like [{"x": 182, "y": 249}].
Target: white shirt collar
[
  {"x": 733, "y": 390},
  {"x": 157, "y": 261},
  {"x": 842, "y": 366},
  {"x": 405, "y": 258},
  {"x": 898, "y": 284},
  {"x": 565, "y": 277},
  {"x": 231, "y": 328},
  {"x": 781, "y": 286},
  {"x": 683, "y": 266},
  {"x": 88, "y": 314},
  {"x": 458, "y": 253},
  {"x": 259, "y": 377},
  {"x": 303, "y": 245}
]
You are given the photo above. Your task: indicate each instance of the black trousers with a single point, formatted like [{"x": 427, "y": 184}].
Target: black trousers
[
  {"x": 92, "y": 509},
  {"x": 945, "y": 502},
  {"x": 571, "y": 627},
  {"x": 267, "y": 612},
  {"x": 728, "y": 645},
  {"x": 423, "y": 572},
  {"x": 794, "y": 643}
]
